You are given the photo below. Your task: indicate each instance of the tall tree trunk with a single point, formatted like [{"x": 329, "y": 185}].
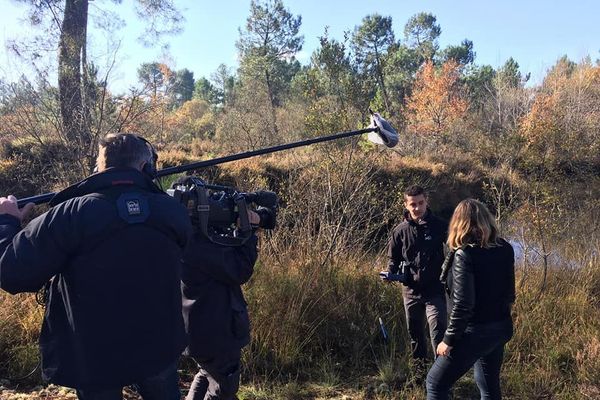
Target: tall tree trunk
[
  {"x": 272, "y": 101},
  {"x": 380, "y": 78},
  {"x": 70, "y": 80},
  {"x": 88, "y": 101}
]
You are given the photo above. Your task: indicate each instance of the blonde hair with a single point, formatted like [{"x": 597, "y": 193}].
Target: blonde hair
[{"x": 472, "y": 224}]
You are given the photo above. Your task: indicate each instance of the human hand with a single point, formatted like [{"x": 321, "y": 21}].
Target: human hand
[
  {"x": 383, "y": 275},
  {"x": 253, "y": 219},
  {"x": 8, "y": 205},
  {"x": 443, "y": 349}
]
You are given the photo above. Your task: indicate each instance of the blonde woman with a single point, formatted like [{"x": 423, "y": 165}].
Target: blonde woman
[{"x": 480, "y": 281}]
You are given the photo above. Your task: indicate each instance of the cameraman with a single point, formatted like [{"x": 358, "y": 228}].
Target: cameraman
[
  {"x": 109, "y": 254},
  {"x": 215, "y": 312},
  {"x": 416, "y": 247}
]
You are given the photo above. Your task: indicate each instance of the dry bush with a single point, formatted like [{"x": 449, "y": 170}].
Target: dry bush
[
  {"x": 553, "y": 351},
  {"x": 193, "y": 119},
  {"x": 315, "y": 298},
  {"x": 437, "y": 101},
  {"x": 174, "y": 157},
  {"x": 202, "y": 148},
  {"x": 20, "y": 322},
  {"x": 308, "y": 295},
  {"x": 291, "y": 123},
  {"x": 248, "y": 125},
  {"x": 29, "y": 167},
  {"x": 561, "y": 129}
]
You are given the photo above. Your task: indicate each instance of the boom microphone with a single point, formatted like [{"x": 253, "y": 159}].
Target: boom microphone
[
  {"x": 384, "y": 134},
  {"x": 380, "y": 131}
]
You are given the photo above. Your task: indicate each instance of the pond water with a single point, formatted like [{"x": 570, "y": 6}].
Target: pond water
[{"x": 532, "y": 254}]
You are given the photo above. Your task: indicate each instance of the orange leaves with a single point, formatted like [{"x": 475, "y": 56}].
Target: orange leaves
[
  {"x": 563, "y": 123},
  {"x": 542, "y": 119},
  {"x": 437, "y": 101}
]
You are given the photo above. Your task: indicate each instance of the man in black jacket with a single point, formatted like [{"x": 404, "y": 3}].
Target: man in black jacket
[
  {"x": 215, "y": 312},
  {"x": 415, "y": 249},
  {"x": 109, "y": 251}
]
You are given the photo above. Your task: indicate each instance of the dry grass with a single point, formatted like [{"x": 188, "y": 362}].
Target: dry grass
[
  {"x": 20, "y": 322},
  {"x": 315, "y": 298},
  {"x": 316, "y": 336}
]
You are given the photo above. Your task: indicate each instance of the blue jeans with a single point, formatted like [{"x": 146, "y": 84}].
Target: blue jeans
[
  {"x": 481, "y": 346},
  {"x": 163, "y": 386}
]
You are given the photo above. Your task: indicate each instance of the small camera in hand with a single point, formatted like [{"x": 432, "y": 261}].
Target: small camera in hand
[
  {"x": 389, "y": 277},
  {"x": 402, "y": 276}
]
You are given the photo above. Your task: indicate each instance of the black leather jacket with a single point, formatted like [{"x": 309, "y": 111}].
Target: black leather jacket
[{"x": 481, "y": 287}]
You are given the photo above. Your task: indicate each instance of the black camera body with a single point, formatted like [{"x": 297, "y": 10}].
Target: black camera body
[
  {"x": 224, "y": 209},
  {"x": 215, "y": 210}
]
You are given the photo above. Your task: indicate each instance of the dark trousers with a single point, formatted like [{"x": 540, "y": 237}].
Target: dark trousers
[
  {"x": 163, "y": 386},
  {"x": 218, "y": 378},
  {"x": 432, "y": 308},
  {"x": 481, "y": 346}
]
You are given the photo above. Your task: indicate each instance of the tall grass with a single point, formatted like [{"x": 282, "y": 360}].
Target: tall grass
[
  {"x": 20, "y": 322},
  {"x": 320, "y": 325},
  {"x": 315, "y": 298},
  {"x": 554, "y": 353}
]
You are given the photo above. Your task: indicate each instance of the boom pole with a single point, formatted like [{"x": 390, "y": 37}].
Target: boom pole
[{"x": 44, "y": 198}]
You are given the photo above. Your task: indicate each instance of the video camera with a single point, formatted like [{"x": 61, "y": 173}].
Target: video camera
[{"x": 215, "y": 210}]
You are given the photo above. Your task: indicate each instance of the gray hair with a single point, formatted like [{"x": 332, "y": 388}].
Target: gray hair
[{"x": 123, "y": 150}]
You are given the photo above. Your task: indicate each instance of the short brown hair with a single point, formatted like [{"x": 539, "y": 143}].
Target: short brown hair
[
  {"x": 472, "y": 224},
  {"x": 414, "y": 190},
  {"x": 123, "y": 150}
]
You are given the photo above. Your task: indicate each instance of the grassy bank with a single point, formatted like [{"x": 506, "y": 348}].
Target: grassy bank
[
  {"x": 316, "y": 335},
  {"x": 315, "y": 299}
]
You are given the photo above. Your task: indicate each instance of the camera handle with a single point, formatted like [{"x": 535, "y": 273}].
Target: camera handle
[{"x": 242, "y": 207}]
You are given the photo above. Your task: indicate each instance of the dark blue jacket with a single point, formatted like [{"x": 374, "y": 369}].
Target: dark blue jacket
[
  {"x": 214, "y": 309},
  {"x": 112, "y": 247}
]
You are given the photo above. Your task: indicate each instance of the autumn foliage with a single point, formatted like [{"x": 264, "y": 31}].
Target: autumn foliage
[
  {"x": 437, "y": 101},
  {"x": 562, "y": 128},
  {"x": 531, "y": 151}
]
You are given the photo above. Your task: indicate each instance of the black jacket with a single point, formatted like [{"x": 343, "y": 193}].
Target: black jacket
[
  {"x": 112, "y": 246},
  {"x": 214, "y": 309},
  {"x": 421, "y": 245},
  {"x": 481, "y": 287}
]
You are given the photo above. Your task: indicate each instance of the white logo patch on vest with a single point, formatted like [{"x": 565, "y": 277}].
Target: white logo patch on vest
[{"x": 133, "y": 207}]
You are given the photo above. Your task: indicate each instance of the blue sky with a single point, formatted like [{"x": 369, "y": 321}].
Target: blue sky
[{"x": 534, "y": 32}]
